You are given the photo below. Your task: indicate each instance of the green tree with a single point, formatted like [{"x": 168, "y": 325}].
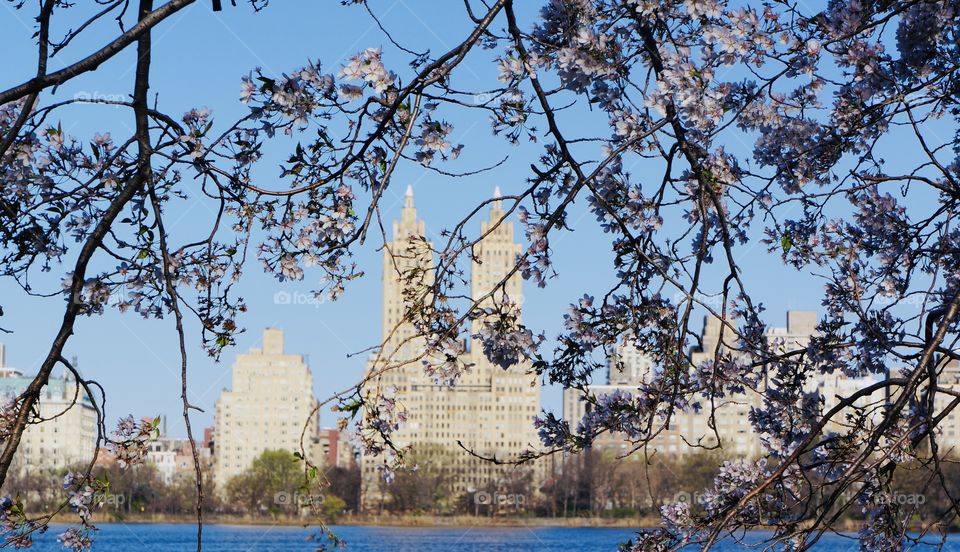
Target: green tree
[
  {"x": 332, "y": 507},
  {"x": 273, "y": 483}
]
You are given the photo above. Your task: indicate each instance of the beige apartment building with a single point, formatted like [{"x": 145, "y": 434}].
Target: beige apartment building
[
  {"x": 731, "y": 419},
  {"x": 948, "y": 429},
  {"x": 490, "y": 410},
  {"x": 270, "y": 403},
  {"x": 629, "y": 368},
  {"x": 67, "y": 437}
]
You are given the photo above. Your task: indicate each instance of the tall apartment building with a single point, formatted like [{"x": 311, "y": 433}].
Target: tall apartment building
[
  {"x": 68, "y": 436},
  {"x": 948, "y": 429},
  {"x": 270, "y": 403},
  {"x": 628, "y": 365},
  {"x": 629, "y": 368},
  {"x": 490, "y": 410}
]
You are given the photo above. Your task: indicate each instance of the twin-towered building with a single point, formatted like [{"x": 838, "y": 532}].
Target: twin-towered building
[{"x": 490, "y": 409}]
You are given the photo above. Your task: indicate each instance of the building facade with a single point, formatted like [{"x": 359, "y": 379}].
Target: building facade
[
  {"x": 68, "y": 435},
  {"x": 629, "y": 368},
  {"x": 335, "y": 449},
  {"x": 173, "y": 458},
  {"x": 268, "y": 407},
  {"x": 490, "y": 409}
]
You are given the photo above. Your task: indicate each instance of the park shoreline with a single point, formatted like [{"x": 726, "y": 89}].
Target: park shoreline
[
  {"x": 420, "y": 521},
  {"x": 375, "y": 521}
]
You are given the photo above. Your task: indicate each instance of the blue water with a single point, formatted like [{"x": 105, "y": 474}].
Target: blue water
[{"x": 232, "y": 538}]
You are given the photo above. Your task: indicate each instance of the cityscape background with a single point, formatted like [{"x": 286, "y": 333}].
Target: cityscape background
[
  {"x": 129, "y": 355},
  {"x": 270, "y": 413}
]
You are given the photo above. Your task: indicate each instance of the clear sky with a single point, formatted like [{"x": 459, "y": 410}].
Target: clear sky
[{"x": 199, "y": 59}]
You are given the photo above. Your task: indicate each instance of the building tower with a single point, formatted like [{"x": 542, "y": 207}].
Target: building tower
[
  {"x": 267, "y": 409},
  {"x": 495, "y": 256},
  {"x": 489, "y": 410},
  {"x": 504, "y": 416}
]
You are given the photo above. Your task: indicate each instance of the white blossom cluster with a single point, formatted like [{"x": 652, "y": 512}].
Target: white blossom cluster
[{"x": 128, "y": 443}]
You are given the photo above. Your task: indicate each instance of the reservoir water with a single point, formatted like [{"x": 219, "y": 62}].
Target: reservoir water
[{"x": 233, "y": 538}]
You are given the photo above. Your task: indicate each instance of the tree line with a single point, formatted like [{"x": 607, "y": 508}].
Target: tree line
[
  {"x": 270, "y": 487},
  {"x": 593, "y": 484}
]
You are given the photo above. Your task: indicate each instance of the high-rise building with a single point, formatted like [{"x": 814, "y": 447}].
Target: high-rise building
[
  {"x": 948, "y": 436},
  {"x": 628, "y": 368},
  {"x": 628, "y": 365},
  {"x": 801, "y": 326},
  {"x": 67, "y": 436},
  {"x": 727, "y": 418},
  {"x": 269, "y": 406},
  {"x": 948, "y": 428},
  {"x": 490, "y": 409}
]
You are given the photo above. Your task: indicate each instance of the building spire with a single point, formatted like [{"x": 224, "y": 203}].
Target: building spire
[
  {"x": 497, "y": 203},
  {"x": 408, "y": 224}
]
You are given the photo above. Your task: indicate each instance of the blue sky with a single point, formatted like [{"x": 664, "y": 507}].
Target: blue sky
[{"x": 199, "y": 58}]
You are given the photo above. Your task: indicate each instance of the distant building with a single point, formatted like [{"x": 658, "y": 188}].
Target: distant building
[
  {"x": 68, "y": 434},
  {"x": 801, "y": 326},
  {"x": 627, "y": 369},
  {"x": 490, "y": 410},
  {"x": 208, "y": 442},
  {"x": 948, "y": 429},
  {"x": 948, "y": 438},
  {"x": 162, "y": 454},
  {"x": 335, "y": 449},
  {"x": 269, "y": 406},
  {"x": 630, "y": 368},
  {"x": 173, "y": 457}
]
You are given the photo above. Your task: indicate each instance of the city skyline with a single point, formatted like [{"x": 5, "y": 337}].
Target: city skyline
[
  {"x": 330, "y": 334},
  {"x": 208, "y": 225},
  {"x": 170, "y": 416},
  {"x": 306, "y": 327}
]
